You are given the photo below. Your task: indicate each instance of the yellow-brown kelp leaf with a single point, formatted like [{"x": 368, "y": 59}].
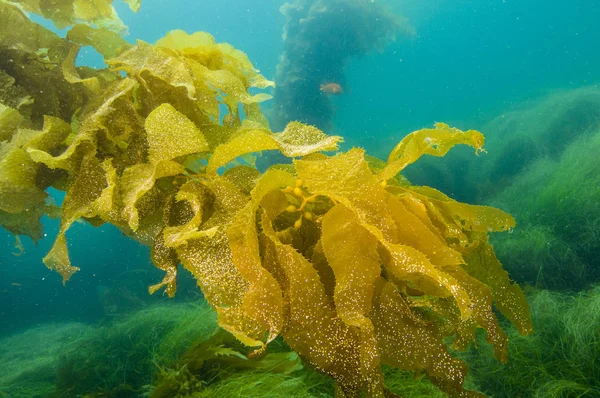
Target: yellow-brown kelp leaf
[
  {"x": 92, "y": 84},
  {"x": 20, "y": 33},
  {"x": 248, "y": 141},
  {"x": 134, "y": 5},
  {"x": 243, "y": 177},
  {"x": 25, "y": 223},
  {"x": 143, "y": 58},
  {"x": 407, "y": 342},
  {"x": 483, "y": 315},
  {"x": 347, "y": 177},
  {"x": 262, "y": 301},
  {"x": 68, "y": 12},
  {"x": 202, "y": 47},
  {"x": 405, "y": 263},
  {"x": 469, "y": 217},
  {"x": 415, "y": 232},
  {"x": 298, "y": 140},
  {"x": 22, "y": 196},
  {"x": 197, "y": 196},
  {"x": 435, "y": 142},
  {"x": 106, "y": 42},
  {"x": 12, "y": 95},
  {"x": 223, "y": 81},
  {"x": 164, "y": 258},
  {"x": 80, "y": 201},
  {"x": 53, "y": 135},
  {"x": 312, "y": 328},
  {"x": 69, "y": 160},
  {"x": 109, "y": 202},
  {"x": 111, "y": 120},
  {"x": 58, "y": 259},
  {"x": 18, "y": 190},
  {"x": 508, "y": 296},
  {"x": 170, "y": 135},
  {"x": 209, "y": 258},
  {"x": 10, "y": 120},
  {"x": 138, "y": 180},
  {"x": 356, "y": 271}
]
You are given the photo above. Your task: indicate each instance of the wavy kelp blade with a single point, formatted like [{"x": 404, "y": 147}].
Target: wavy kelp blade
[
  {"x": 12, "y": 95},
  {"x": 106, "y": 42},
  {"x": 19, "y": 188},
  {"x": 58, "y": 260},
  {"x": 263, "y": 299},
  {"x": 22, "y": 195},
  {"x": 138, "y": 180},
  {"x": 410, "y": 343},
  {"x": 296, "y": 140},
  {"x": 470, "y": 217},
  {"x": 510, "y": 300},
  {"x": 170, "y": 135},
  {"x": 134, "y": 5},
  {"x": 413, "y": 231},
  {"x": 313, "y": 329},
  {"x": 356, "y": 272},
  {"x": 202, "y": 46},
  {"x": 436, "y": 142},
  {"x": 197, "y": 196},
  {"x": 483, "y": 314},
  {"x": 65, "y": 13},
  {"x": 165, "y": 259},
  {"x": 80, "y": 201},
  {"x": 143, "y": 58},
  {"x": 210, "y": 259},
  {"x": 20, "y": 33},
  {"x": 347, "y": 178},
  {"x": 223, "y": 81}
]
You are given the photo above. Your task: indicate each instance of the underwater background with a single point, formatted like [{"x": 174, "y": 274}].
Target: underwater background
[{"x": 524, "y": 73}]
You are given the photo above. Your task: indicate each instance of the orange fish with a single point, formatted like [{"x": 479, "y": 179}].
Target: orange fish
[{"x": 331, "y": 88}]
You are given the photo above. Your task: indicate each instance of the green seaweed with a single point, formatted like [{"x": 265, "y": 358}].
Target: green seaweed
[
  {"x": 70, "y": 359},
  {"x": 559, "y": 360},
  {"x": 353, "y": 267},
  {"x": 557, "y": 243}
]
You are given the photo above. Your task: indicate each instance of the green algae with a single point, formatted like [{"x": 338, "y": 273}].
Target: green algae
[
  {"x": 70, "y": 359},
  {"x": 557, "y": 243},
  {"x": 559, "y": 360}
]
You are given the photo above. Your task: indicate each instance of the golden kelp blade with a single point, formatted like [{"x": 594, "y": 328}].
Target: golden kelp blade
[
  {"x": 65, "y": 13},
  {"x": 296, "y": 140},
  {"x": 435, "y": 142}
]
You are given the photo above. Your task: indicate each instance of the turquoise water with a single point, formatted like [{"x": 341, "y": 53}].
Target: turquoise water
[{"x": 467, "y": 63}]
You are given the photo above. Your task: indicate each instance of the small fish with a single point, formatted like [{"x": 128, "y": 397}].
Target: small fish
[
  {"x": 16, "y": 284},
  {"x": 331, "y": 88}
]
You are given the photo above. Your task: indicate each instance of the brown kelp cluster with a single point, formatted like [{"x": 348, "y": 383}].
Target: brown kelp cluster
[
  {"x": 320, "y": 38},
  {"x": 351, "y": 265}
]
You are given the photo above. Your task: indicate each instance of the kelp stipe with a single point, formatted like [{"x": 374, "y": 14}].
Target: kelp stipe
[{"x": 349, "y": 263}]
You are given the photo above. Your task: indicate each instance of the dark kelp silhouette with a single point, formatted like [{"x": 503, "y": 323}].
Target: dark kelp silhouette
[{"x": 319, "y": 39}]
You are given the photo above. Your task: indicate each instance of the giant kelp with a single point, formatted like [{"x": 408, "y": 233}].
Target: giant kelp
[{"x": 354, "y": 267}]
